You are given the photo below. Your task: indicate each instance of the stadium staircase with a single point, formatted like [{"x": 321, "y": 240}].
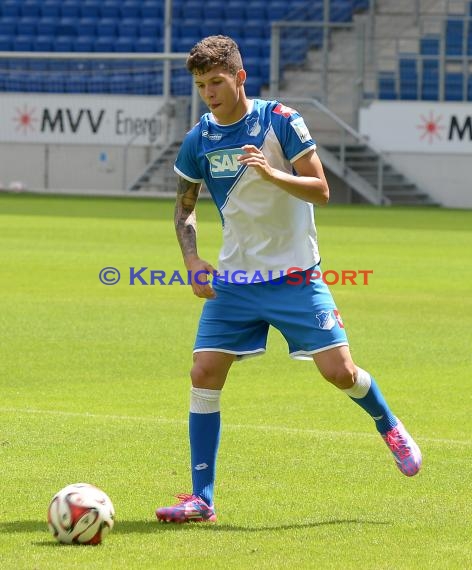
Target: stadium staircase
[{"x": 361, "y": 172}]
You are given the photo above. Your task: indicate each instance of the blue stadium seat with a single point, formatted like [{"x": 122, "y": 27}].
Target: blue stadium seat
[
  {"x": 131, "y": 9},
  {"x": 58, "y": 64},
  {"x": 105, "y": 44},
  {"x": 145, "y": 45},
  {"x": 155, "y": 84},
  {"x": 257, "y": 29},
  {"x": 11, "y": 8},
  {"x": 189, "y": 28},
  {"x": 22, "y": 43},
  {"x": 213, "y": 9},
  {"x": 44, "y": 43},
  {"x": 469, "y": 88},
  {"x": 6, "y": 42},
  {"x": 129, "y": 28},
  {"x": 256, "y": 9},
  {"x": 340, "y": 11},
  {"x": 152, "y": 9},
  {"x": 90, "y": 9},
  {"x": 85, "y": 44},
  {"x": 429, "y": 45},
  {"x": 76, "y": 84},
  {"x": 64, "y": 43},
  {"x": 430, "y": 65},
  {"x": 181, "y": 84},
  {"x": 387, "y": 85},
  {"x": 453, "y": 88},
  {"x": 121, "y": 83},
  {"x": 124, "y": 44},
  {"x": 107, "y": 27},
  {"x": 17, "y": 64},
  {"x": 234, "y": 29},
  {"x": 70, "y": 9},
  {"x": 31, "y": 8},
  {"x": 252, "y": 65},
  {"x": 150, "y": 28},
  {"x": 51, "y": 9},
  {"x": 276, "y": 10},
  {"x": 110, "y": 9},
  {"x": 67, "y": 27},
  {"x": 38, "y": 64},
  {"x": 183, "y": 45},
  {"x": 26, "y": 26},
  {"x": 251, "y": 47},
  {"x": 47, "y": 26},
  {"x": 454, "y": 37},
  {"x": 234, "y": 10},
  {"x": 252, "y": 86},
  {"x": 193, "y": 10},
  {"x": 17, "y": 82},
  {"x": 212, "y": 27},
  {"x": 8, "y": 26},
  {"x": 87, "y": 27},
  {"x": 98, "y": 84}
]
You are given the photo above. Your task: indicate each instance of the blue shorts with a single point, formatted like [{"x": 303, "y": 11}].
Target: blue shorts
[{"x": 237, "y": 321}]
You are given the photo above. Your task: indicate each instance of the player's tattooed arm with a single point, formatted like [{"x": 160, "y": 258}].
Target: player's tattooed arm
[
  {"x": 186, "y": 229},
  {"x": 184, "y": 217}
]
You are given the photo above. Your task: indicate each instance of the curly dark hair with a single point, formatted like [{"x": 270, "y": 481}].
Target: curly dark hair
[{"x": 214, "y": 51}]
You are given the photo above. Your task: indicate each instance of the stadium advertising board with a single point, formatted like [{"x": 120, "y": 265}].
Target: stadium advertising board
[
  {"x": 418, "y": 127},
  {"x": 82, "y": 119}
]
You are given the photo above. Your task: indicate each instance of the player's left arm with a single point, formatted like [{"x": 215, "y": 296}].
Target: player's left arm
[{"x": 310, "y": 185}]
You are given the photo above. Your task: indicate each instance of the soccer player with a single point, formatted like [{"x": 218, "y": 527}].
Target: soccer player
[{"x": 259, "y": 162}]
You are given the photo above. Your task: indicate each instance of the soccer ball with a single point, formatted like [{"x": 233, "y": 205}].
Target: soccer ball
[{"x": 80, "y": 514}]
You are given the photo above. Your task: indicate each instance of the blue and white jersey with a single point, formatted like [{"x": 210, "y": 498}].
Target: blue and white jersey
[{"x": 265, "y": 229}]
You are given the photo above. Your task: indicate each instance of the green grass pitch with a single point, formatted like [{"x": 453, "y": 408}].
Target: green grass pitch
[{"x": 94, "y": 388}]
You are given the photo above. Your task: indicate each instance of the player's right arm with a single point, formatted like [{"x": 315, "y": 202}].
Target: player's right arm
[{"x": 185, "y": 221}]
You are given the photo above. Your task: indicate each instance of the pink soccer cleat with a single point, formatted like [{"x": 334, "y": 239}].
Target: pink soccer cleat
[
  {"x": 406, "y": 453},
  {"x": 189, "y": 509}
]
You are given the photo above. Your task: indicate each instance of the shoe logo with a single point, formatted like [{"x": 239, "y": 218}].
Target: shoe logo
[
  {"x": 325, "y": 320},
  {"x": 201, "y": 467}
]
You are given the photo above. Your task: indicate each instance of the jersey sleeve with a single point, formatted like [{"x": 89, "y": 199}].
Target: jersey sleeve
[
  {"x": 292, "y": 132},
  {"x": 186, "y": 164}
]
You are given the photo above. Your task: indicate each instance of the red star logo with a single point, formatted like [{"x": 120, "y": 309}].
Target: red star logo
[
  {"x": 431, "y": 127},
  {"x": 25, "y": 119}
]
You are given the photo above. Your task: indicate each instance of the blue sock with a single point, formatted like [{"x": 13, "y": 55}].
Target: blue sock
[
  {"x": 368, "y": 396},
  {"x": 204, "y": 433}
]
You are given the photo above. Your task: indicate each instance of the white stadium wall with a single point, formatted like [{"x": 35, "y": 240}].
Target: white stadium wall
[
  {"x": 429, "y": 142},
  {"x": 80, "y": 142},
  {"x": 67, "y": 168}
]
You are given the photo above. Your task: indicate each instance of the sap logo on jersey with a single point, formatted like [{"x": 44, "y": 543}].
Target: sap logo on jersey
[{"x": 224, "y": 163}]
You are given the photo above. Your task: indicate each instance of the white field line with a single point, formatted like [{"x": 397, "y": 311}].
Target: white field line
[{"x": 270, "y": 428}]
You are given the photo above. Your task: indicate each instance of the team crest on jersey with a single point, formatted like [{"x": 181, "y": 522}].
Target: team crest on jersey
[
  {"x": 224, "y": 163},
  {"x": 283, "y": 110},
  {"x": 325, "y": 320},
  {"x": 253, "y": 126}
]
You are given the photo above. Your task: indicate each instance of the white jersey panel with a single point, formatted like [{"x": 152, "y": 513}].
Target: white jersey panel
[{"x": 266, "y": 229}]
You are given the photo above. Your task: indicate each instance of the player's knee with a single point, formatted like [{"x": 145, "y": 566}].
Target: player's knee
[
  {"x": 342, "y": 376},
  {"x": 205, "y": 376}
]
